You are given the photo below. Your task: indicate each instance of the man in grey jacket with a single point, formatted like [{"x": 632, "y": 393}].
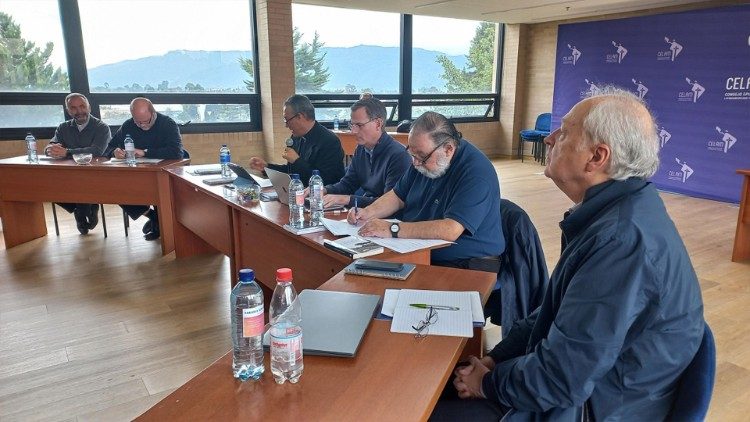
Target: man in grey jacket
[
  {"x": 622, "y": 316},
  {"x": 83, "y": 134}
]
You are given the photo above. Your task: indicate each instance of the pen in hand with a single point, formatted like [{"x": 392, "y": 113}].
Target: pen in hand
[
  {"x": 438, "y": 307},
  {"x": 356, "y": 210}
]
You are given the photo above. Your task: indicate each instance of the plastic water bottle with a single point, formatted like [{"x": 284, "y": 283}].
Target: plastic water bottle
[
  {"x": 336, "y": 123},
  {"x": 296, "y": 202},
  {"x": 129, "y": 151},
  {"x": 247, "y": 327},
  {"x": 225, "y": 157},
  {"x": 285, "y": 315},
  {"x": 31, "y": 148},
  {"x": 316, "y": 199}
]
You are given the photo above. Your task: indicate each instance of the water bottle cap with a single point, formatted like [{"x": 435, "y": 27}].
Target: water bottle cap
[
  {"x": 223, "y": 145},
  {"x": 246, "y": 274},
  {"x": 294, "y": 176},
  {"x": 283, "y": 274},
  {"x": 316, "y": 172}
]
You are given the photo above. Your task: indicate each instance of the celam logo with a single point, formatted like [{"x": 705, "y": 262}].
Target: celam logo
[
  {"x": 681, "y": 175},
  {"x": 619, "y": 55},
  {"x": 593, "y": 90},
  {"x": 737, "y": 88},
  {"x": 664, "y": 136},
  {"x": 575, "y": 54},
  {"x": 640, "y": 88},
  {"x": 727, "y": 141},
  {"x": 674, "y": 50},
  {"x": 696, "y": 90}
]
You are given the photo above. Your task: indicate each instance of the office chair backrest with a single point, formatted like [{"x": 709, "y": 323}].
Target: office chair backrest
[
  {"x": 543, "y": 122},
  {"x": 185, "y": 153},
  {"x": 696, "y": 383}
]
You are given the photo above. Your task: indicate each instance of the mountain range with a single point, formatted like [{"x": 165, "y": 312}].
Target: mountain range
[{"x": 360, "y": 67}]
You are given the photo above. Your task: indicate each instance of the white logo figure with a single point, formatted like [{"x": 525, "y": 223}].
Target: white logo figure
[
  {"x": 593, "y": 89},
  {"x": 687, "y": 171},
  {"x": 728, "y": 139},
  {"x": 621, "y": 51},
  {"x": 576, "y": 53},
  {"x": 674, "y": 46},
  {"x": 697, "y": 89},
  {"x": 642, "y": 90},
  {"x": 665, "y": 136}
]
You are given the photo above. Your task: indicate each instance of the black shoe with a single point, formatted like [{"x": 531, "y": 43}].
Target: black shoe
[
  {"x": 93, "y": 216},
  {"x": 152, "y": 235},
  {"x": 149, "y": 226},
  {"x": 81, "y": 221}
]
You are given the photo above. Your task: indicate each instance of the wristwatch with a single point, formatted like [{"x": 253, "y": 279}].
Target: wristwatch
[{"x": 394, "y": 229}]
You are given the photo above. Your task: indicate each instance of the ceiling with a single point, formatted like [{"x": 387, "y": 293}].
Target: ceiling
[{"x": 504, "y": 11}]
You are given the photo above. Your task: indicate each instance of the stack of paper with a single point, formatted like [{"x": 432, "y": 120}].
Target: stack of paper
[
  {"x": 457, "y": 323},
  {"x": 400, "y": 245}
]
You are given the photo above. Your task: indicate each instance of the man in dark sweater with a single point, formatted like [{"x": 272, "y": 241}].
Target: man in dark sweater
[
  {"x": 378, "y": 163},
  {"x": 155, "y": 136},
  {"x": 313, "y": 147},
  {"x": 83, "y": 134}
]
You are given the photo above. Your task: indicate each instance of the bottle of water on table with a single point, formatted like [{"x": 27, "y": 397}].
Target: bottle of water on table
[
  {"x": 247, "y": 327},
  {"x": 129, "y": 151},
  {"x": 296, "y": 202},
  {"x": 316, "y": 199},
  {"x": 32, "y": 156},
  {"x": 285, "y": 315},
  {"x": 225, "y": 157}
]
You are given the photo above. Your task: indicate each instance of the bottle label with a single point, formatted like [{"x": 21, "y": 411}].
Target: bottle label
[
  {"x": 129, "y": 146},
  {"x": 252, "y": 321},
  {"x": 299, "y": 198},
  {"x": 32, "y": 144},
  {"x": 315, "y": 190},
  {"x": 289, "y": 348}
]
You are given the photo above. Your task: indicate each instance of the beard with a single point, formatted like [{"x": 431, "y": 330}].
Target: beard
[{"x": 441, "y": 166}]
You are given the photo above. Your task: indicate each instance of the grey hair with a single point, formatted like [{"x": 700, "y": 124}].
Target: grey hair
[
  {"x": 623, "y": 122},
  {"x": 437, "y": 127},
  {"x": 373, "y": 107},
  {"x": 137, "y": 99},
  {"x": 76, "y": 95},
  {"x": 302, "y": 105}
]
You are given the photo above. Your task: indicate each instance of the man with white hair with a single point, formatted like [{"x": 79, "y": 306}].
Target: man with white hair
[
  {"x": 155, "y": 135},
  {"x": 82, "y": 134},
  {"x": 623, "y": 316}
]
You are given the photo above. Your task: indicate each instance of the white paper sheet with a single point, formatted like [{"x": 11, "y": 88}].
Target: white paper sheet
[
  {"x": 457, "y": 323},
  {"x": 390, "y": 298},
  {"x": 400, "y": 245},
  {"x": 137, "y": 160}
]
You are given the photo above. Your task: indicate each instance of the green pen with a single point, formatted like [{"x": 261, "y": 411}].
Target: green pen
[{"x": 438, "y": 307}]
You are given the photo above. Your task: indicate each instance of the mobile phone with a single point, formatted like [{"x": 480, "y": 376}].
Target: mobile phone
[{"x": 371, "y": 264}]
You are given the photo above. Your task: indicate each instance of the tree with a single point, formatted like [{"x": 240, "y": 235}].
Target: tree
[
  {"x": 310, "y": 72},
  {"x": 247, "y": 65},
  {"x": 25, "y": 66},
  {"x": 476, "y": 76}
]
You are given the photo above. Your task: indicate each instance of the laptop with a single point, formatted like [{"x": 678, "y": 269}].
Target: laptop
[
  {"x": 333, "y": 323},
  {"x": 280, "y": 182}
]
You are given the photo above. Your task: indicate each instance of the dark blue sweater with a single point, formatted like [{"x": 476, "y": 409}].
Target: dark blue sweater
[
  {"x": 374, "y": 173},
  {"x": 162, "y": 140}
]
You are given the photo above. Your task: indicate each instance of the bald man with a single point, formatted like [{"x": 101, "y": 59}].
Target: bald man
[
  {"x": 623, "y": 316},
  {"x": 155, "y": 136}
]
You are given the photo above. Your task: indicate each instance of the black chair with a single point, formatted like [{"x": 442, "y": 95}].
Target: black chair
[
  {"x": 536, "y": 137},
  {"x": 696, "y": 383}
]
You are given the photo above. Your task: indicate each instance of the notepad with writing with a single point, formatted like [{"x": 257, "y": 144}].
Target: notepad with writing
[
  {"x": 353, "y": 246},
  {"x": 403, "y": 274},
  {"x": 456, "y": 323}
]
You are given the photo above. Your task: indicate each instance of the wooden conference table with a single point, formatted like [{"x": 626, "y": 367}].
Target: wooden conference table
[
  {"x": 25, "y": 187},
  {"x": 349, "y": 140},
  {"x": 741, "y": 250},
  {"x": 252, "y": 235},
  {"x": 393, "y": 377}
]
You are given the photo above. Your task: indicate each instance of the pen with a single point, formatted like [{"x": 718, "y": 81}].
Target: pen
[
  {"x": 438, "y": 307},
  {"x": 356, "y": 210}
]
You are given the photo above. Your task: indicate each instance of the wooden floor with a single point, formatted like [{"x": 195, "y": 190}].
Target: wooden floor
[{"x": 101, "y": 329}]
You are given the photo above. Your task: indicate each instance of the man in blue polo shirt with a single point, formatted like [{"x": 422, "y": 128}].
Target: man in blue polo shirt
[{"x": 450, "y": 192}]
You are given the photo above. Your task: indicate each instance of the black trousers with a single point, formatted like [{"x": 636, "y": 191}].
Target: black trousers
[
  {"x": 69, "y": 207},
  {"x": 135, "y": 211}
]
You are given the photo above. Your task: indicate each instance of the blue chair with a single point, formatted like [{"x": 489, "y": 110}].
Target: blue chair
[
  {"x": 696, "y": 383},
  {"x": 536, "y": 137}
]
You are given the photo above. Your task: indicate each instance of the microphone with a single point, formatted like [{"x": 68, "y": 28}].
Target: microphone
[{"x": 289, "y": 144}]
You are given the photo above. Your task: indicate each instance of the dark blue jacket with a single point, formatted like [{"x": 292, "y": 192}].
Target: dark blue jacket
[
  {"x": 162, "y": 140},
  {"x": 374, "y": 173},
  {"x": 620, "y": 321}
]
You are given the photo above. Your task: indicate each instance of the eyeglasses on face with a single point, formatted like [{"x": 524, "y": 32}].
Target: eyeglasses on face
[
  {"x": 352, "y": 125},
  {"x": 286, "y": 121},
  {"x": 423, "y": 328},
  {"x": 423, "y": 161}
]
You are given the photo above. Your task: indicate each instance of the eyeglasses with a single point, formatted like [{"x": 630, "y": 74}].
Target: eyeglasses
[
  {"x": 423, "y": 161},
  {"x": 352, "y": 125},
  {"x": 423, "y": 328},
  {"x": 286, "y": 121}
]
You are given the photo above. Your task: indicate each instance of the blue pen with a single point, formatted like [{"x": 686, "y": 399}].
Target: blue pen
[{"x": 356, "y": 208}]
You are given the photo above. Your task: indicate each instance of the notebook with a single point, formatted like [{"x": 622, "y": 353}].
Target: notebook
[
  {"x": 333, "y": 323},
  {"x": 394, "y": 275},
  {"x": 353, "y": 247}
]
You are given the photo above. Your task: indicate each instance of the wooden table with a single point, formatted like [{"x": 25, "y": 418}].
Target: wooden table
[
  {"x": 25, "y": 187},
  {"x": 741, "y": 250},
  {"x": 394, "y": 377},
  {"x": 252, "y": 235},
  {"x": 349, "y": 140}
]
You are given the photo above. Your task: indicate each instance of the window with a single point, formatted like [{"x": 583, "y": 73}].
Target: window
[
  {"x": 167, "y": 46},
  {"x": 116, "y": 114},
  {"x": 30, "y": 116},
  {"x": 358, "y": 51}
]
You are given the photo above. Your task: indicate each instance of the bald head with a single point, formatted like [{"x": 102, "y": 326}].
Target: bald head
[{"x": 143, "y": 112}]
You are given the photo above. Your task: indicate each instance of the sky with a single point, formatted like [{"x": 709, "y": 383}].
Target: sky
[{"x": 116, "y": 30}]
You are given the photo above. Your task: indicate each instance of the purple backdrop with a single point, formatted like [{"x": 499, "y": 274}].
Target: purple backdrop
[{"x": 692, "y": 68}]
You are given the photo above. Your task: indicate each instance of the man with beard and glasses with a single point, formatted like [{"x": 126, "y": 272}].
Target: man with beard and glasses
[
  {"x": 155, "y": 135},
  {"x": 450, "y": 192},
  {"x": 83, "y": 134}
]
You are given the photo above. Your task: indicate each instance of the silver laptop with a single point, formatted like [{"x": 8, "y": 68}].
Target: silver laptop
[{"x": 280, "y": 182}]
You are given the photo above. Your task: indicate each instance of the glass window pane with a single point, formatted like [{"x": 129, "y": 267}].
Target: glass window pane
[
  {"x": 116, "y": 114},
  {"x": 453, "y": 56},
  {"x": 344, "y": 113},
  {"x": 32, "y": 53},
  {"x": 27, "y": 116},
  {"x": 345, "y": 51},
  {"x": 168, "y": 46},
  {"x": 452, "y": 111}
]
